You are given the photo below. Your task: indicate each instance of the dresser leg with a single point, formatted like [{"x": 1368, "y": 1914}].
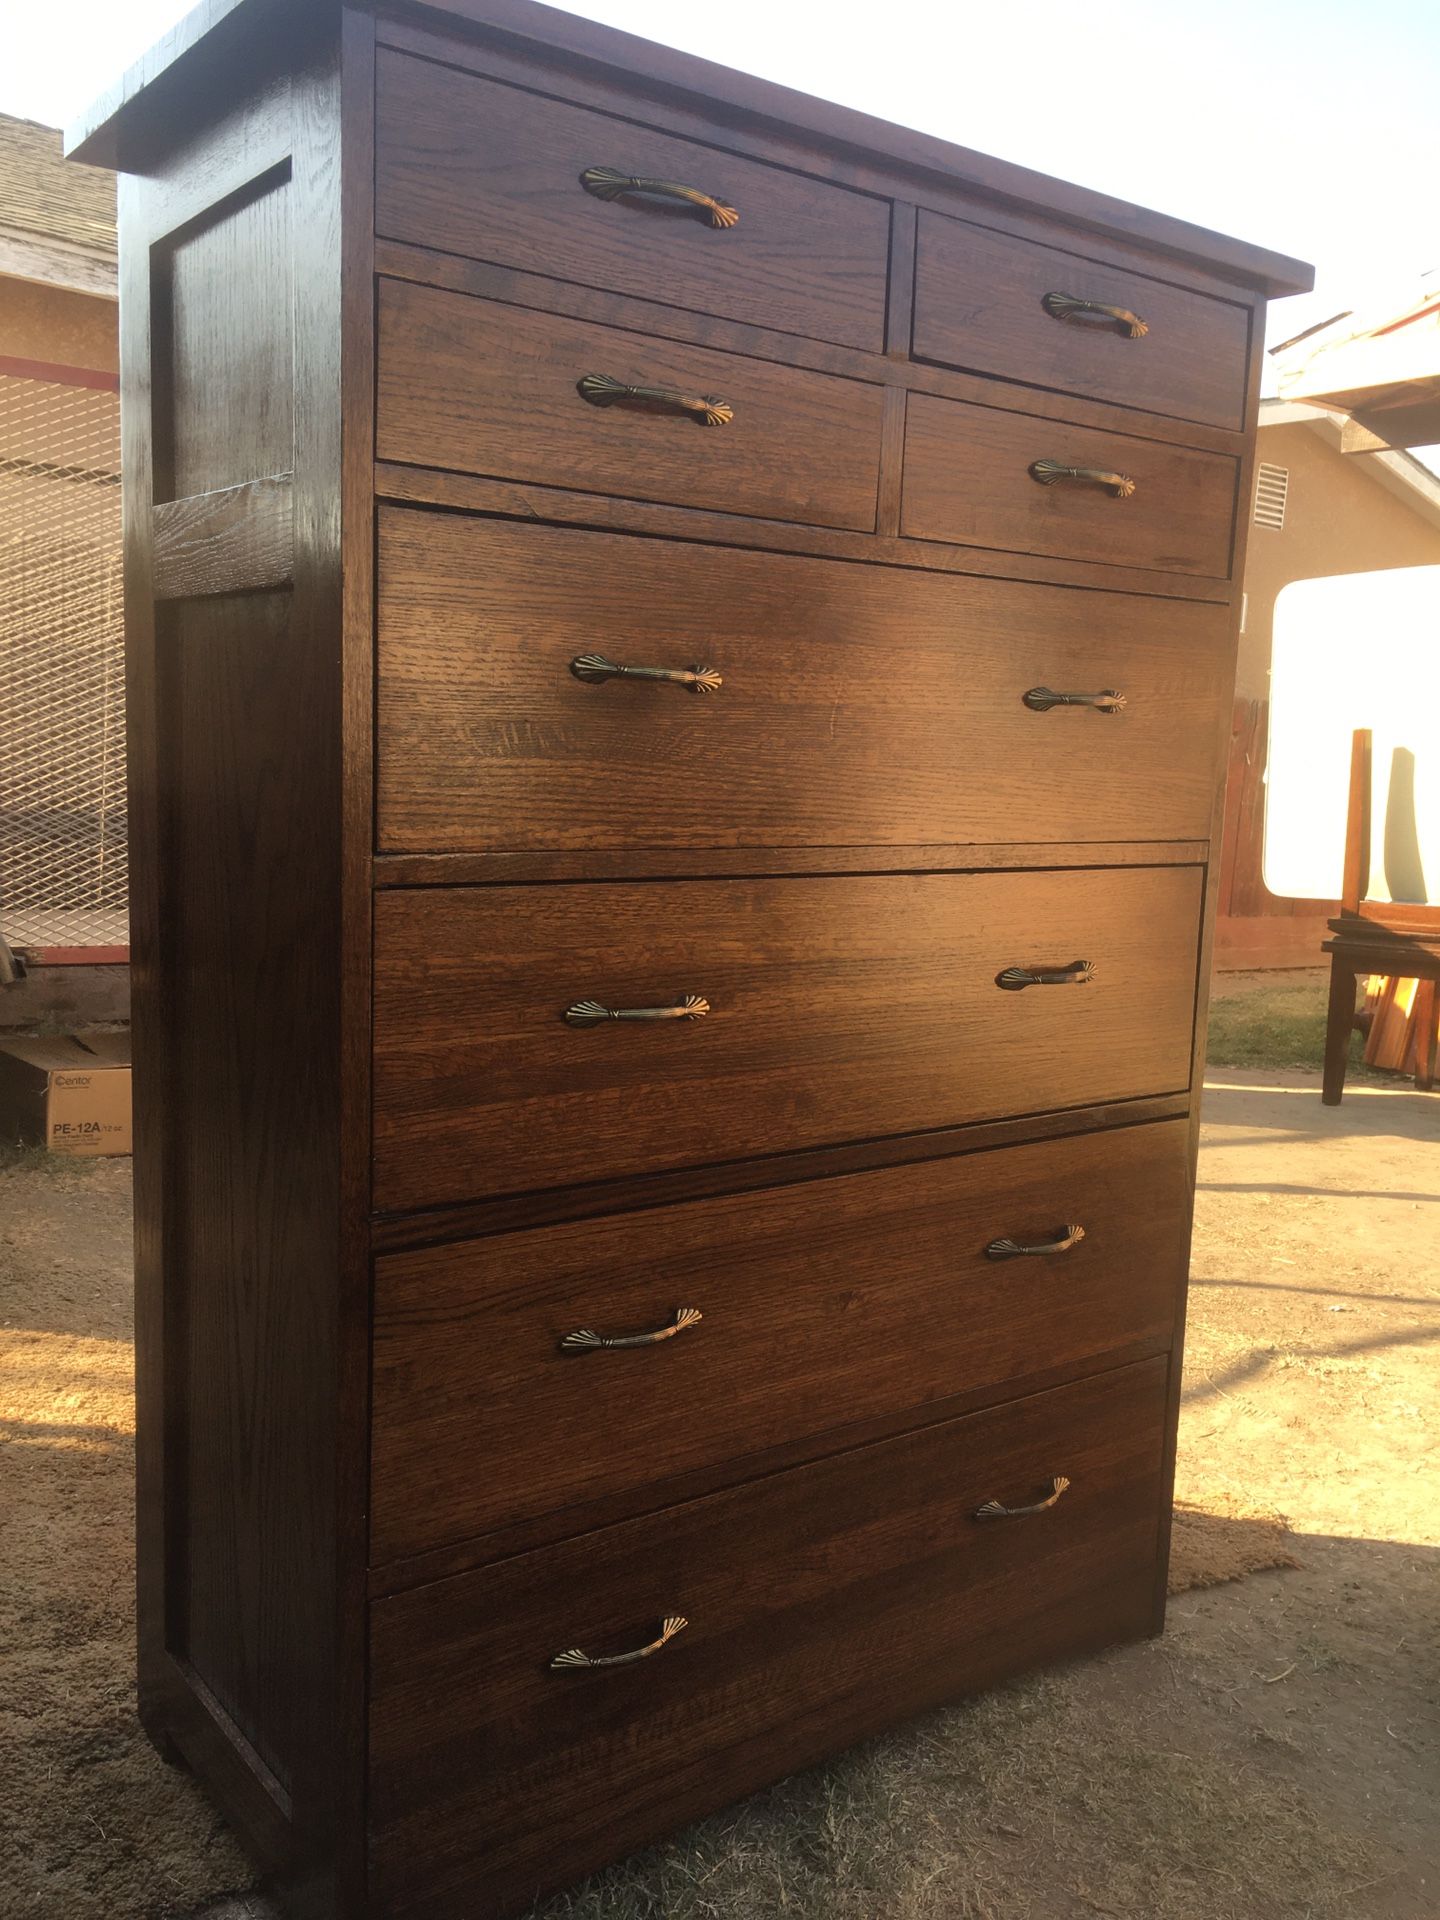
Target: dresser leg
[
  {"x": 1425, "y": 1008},
  {"x": 1338, "y": 1028}
]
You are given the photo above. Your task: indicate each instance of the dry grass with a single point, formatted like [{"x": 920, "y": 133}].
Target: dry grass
[{"x": 997, "y": 1811}]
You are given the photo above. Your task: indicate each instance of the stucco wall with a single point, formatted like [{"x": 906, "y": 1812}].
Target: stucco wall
[
  {"x": 47, "y": 323},
  {"x": 1337, "y": 520}
]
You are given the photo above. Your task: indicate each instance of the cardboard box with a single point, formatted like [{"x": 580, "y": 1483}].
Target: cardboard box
[{"x": 68, "y": 1092}]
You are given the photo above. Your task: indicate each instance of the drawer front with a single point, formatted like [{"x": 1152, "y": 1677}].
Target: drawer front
[
  {"x": 980, "y": 304},
  {"x": 490, "y": 389},
  {"x": 968, "y": 479},
  {"x": 821, "y": 1605},
  {"x": 822, "y": 1305},
  {"x": 476, "y": 168},
  {"x": 857, "y": 706},
  {"x": 840, "y": 1008}
]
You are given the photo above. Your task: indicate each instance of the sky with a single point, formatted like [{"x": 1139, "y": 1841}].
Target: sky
[{"x": 1308, "y": 126}]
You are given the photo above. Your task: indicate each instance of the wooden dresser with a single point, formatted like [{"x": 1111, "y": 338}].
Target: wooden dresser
[{"x": 680, "y": 652}]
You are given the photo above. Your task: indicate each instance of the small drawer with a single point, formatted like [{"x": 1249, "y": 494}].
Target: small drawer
[
  {"x": 759, "y": 1016},
  {"x": 1024, "y": 484},
  {"x": 490, "y": 171},
  {"x": 849, "y": 706},
  {"x": 491, "y": 389},
  {"x": 818, "y": 1606},
  {"x": 992, "y": 303},
  {"x": 753, "y": 1322}
]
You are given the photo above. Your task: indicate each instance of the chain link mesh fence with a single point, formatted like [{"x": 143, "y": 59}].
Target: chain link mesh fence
[{"x": 62, "y": 686}]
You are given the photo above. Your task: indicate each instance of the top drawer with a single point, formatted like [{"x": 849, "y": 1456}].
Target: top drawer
[
  {"x": 985, "y": 301},
  {"x": 477, "y": 168}
]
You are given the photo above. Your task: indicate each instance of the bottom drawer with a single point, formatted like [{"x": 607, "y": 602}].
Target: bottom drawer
[{"x": 821, "y": 1605}]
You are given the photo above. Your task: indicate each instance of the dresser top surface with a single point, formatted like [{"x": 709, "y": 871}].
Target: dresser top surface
[{"x": 218, "y": 37}]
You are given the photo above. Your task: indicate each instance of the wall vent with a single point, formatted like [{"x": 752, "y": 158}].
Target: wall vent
[{"x": 1272, "y": 484}]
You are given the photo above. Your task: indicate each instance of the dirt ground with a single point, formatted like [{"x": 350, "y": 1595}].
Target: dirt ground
[{"x": 1276, "y": 1756}]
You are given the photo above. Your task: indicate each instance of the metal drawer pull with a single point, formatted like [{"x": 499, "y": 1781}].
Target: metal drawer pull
[
  {"x": 608, "y": 183},
  {"x": 1108, "y": 700},
  {"x": 594, "y": 667},
  {"x": 672, "y": 1624},
  {"x": 1078, "y": 974},
  {"x": 586, "y": 1340},
  {"x": 1047, "y": 472},
  {"x": 1011, "y": 1249},
  {"x": 590, "y": 1013},
  {"x": 996, "y": 1510},
  {"x": 603, "y": 390},
  {"x": 1077, "y": 312}
]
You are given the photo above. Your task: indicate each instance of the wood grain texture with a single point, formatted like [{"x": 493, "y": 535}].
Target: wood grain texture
[
  {"x": 490, "y": 32},
  {"x": 822, "y": 1605},
  {"x": 464, "y": 383},
  {"x": 823, "y": 1304},
  {"x": 514, "y": 500},
  {"x": 978, "y": 297},
  {"x": 841, "y": 1009},
  {"x": 650, "y": 863},
  {"x": 489, "y": 170},
  {"x": 232, "y": 541},
  {"x": 541, "y": 293},
  {"x": 967, "y": 478},
  {"x": 859, "y": 707},
  {"x": 234, "y": 232},
  {"x": 226, "y": 384}
]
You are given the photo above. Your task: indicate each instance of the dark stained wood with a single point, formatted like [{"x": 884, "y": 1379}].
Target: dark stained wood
[
  {"x": 230, "y": 541},
  {"x": 510, "y": 499},
  {"x": 423, "y": 266},
  {"x": 859, "y": 707},
  {"x": 464, "y": 383},
  {"x": 841, "y": 1009},
  {"x": 492, "y": 171},
  {"x": 115, "y": 126},
  {"x": 822, "y": 1605},
  {"x": 649, "y": 863},
  {"x": 399, "y": 1232},
  {"x": 828, "y": 1144},
  {"x": 967, "y": 478},
  {"x": 213, "y": 340},
  {"x": 823, "y": 1304},
  {"x": 233, "y": 703},
  {"x": 978, "y": 297}
]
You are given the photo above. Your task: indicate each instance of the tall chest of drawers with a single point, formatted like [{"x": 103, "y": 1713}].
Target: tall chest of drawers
[{"x": 680, "y": 647}]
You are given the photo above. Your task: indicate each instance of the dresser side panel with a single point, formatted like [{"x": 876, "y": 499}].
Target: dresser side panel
[{"x": 231, "y": 247}]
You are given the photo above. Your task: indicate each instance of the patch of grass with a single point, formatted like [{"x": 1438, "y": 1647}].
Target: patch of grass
[
  {"x": 18, "y": 1158},
  {"x": 1279, "y": 1026}
]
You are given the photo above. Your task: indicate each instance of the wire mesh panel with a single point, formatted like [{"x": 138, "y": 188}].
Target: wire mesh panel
[{"x": 62, "y": 689}]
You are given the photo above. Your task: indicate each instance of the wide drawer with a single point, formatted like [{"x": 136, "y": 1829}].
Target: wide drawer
[
  {"x": 822, "y": 1305},
  {"x": 491, "y": 171},
  {"x": 839, "y": 1008},
  {"x": 491, "y": 389},
  {"x": 993, "y": 303},
  {"x": 820, "y": 1605},
  {"x": 856, "y": 706},
  {"x": 968, "y": 479}
]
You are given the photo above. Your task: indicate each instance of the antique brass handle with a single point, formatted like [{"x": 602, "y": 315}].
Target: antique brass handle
[
  {"x": 590, "y": 1013},
  {"x": 607, "y": 183},
  {"x": 1047, "y": 472},
  {"x": 996, "y": 1510},
  {"x": 672, "y": 1624},
  {"x": 1069, "y": 307},
  {"x": 1077, "y": 974},
  {"x": 586, "y": 1340},
  {"x": 594, "y": 667},
  {"x": 1041, "y": 700},
  {"x": 1011, "y": 1249},
  {"x": 603, "y": 390}
]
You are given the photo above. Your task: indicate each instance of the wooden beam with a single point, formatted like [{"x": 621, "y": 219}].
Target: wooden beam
[{"x": 234, "y": 540}]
